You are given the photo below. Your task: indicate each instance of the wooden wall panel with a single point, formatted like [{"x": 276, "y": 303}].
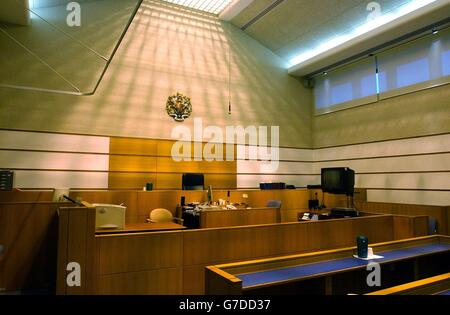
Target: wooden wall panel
[
  {"x": 165, "y": 149},
  {"x": 133, "y": 146},
  {"x": 135, "y": 181},
  {"x": 168, "y": 181},
  {"x": 130, "y": 159},
  {"x": 123, "y": 163},
  {"x": 221, "y": 181},
  {"x": 167, "y": 164}
]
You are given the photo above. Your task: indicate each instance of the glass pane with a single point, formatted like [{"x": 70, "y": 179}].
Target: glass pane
[
  {"x": 414, "y": 66},
  {"x": 354, "y": 84}
]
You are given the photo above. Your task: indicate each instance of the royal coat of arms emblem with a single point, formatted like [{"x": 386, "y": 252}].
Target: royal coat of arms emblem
[{"x": 179, "y": 107}]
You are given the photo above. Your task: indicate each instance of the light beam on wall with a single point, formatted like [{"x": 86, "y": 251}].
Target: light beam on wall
[
  {"x": 361, "y": 30},
  {"x": 210, "y": 6}
]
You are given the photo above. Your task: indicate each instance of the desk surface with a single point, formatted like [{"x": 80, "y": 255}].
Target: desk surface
[
  {"x": 311, "y": 270},
  {"x": 219, "y": 209},
  {"x": 143, "y": 227}
]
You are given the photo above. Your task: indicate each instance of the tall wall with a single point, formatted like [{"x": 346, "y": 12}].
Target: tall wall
[
  {"x": 169, "y": 50},
  {"x": 166, "y": 50},
  {"x": 399, "y": 147}
]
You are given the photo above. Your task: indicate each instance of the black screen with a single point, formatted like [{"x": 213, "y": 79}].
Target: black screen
[
  {"x": 193, "y": 182},
  {"x": 338, "y": 180}
]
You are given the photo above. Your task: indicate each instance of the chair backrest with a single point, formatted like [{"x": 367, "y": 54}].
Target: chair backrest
[
  {"x": 432, "y": 226},
  {"x": 161, "y": 216},
  {"x": 274, "y": 204}
]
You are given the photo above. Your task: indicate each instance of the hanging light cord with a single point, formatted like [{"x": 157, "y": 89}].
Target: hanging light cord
[{"x": 229, "y": 69}]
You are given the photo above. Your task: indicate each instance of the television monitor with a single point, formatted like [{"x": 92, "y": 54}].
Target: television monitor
[
  {"x": 338, "y": 180},
  {"x": 193, "y": 182}
]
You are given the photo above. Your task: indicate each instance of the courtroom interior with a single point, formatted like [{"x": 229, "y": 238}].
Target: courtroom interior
[{"x": 225, "y": 147}]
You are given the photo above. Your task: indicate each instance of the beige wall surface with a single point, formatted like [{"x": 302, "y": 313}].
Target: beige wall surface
[
  {"x": 169, "y": 50},
  {"x": 421, "y": 113}
]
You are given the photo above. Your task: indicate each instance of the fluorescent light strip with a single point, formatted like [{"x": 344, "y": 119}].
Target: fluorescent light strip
[
  {"x": 361, "y": 30},
  {"x": 210, "y": 6}
]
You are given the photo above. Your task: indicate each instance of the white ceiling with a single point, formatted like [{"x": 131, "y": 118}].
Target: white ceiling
[
  {"x": 295, "y": 27},
  {"x": 209, "y": 6}
]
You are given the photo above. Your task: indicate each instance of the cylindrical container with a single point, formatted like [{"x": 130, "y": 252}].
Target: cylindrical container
[
  {"x": 363, "y": 246},
  {"x": 149, "y": 186}
]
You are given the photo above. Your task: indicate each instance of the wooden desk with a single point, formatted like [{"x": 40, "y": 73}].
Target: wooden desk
[
  {"x": 332, "y": 272},
  {"x": 143, "y": 227},
  {"x": 218, "y": 217}
]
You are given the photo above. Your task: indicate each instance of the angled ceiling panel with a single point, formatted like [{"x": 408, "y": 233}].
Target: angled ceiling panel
[
  {"x": 11, "y": 12},
  {"x": 20, "y": 68},
  {"x": 78, "y": 55}
]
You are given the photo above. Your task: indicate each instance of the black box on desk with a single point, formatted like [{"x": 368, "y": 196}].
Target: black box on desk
[
  {"x": 268, "y": 186},
  {"x": 6, "y": 180}
]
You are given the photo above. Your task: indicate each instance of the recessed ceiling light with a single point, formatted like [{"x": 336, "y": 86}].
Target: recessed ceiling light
[
  {"x": 329, "y": 44},
  {"x": 209, "y": 6}
]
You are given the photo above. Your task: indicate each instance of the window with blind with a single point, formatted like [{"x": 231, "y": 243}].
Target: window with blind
[
  {"x": 417, "y": 65},
  {"x": 345, "y": 87}
]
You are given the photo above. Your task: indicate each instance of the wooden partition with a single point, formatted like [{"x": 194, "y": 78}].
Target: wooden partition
[
  {"x": 28, "y": 196},
  {"x": 140, "y": 203},
  {"x": 29, "y": 235},
  {"x": 28, "y": 225},
  {"x": 174, "y": 262},
  {"x": 239, "y": 217},
  {"x": 441, "y": 214},
  {"x": 76, "y": 244},
  {"x": 410, "y": 226}
]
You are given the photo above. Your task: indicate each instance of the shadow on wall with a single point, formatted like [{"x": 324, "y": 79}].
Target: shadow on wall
[
  {"x": 51, "y": 55},
  {"x": 169, "y": 49}
]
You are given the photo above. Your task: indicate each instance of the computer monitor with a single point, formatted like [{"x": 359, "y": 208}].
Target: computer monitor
[
  {"x": 338, "y": 180},
  {"x": 193, "y": 182}
]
